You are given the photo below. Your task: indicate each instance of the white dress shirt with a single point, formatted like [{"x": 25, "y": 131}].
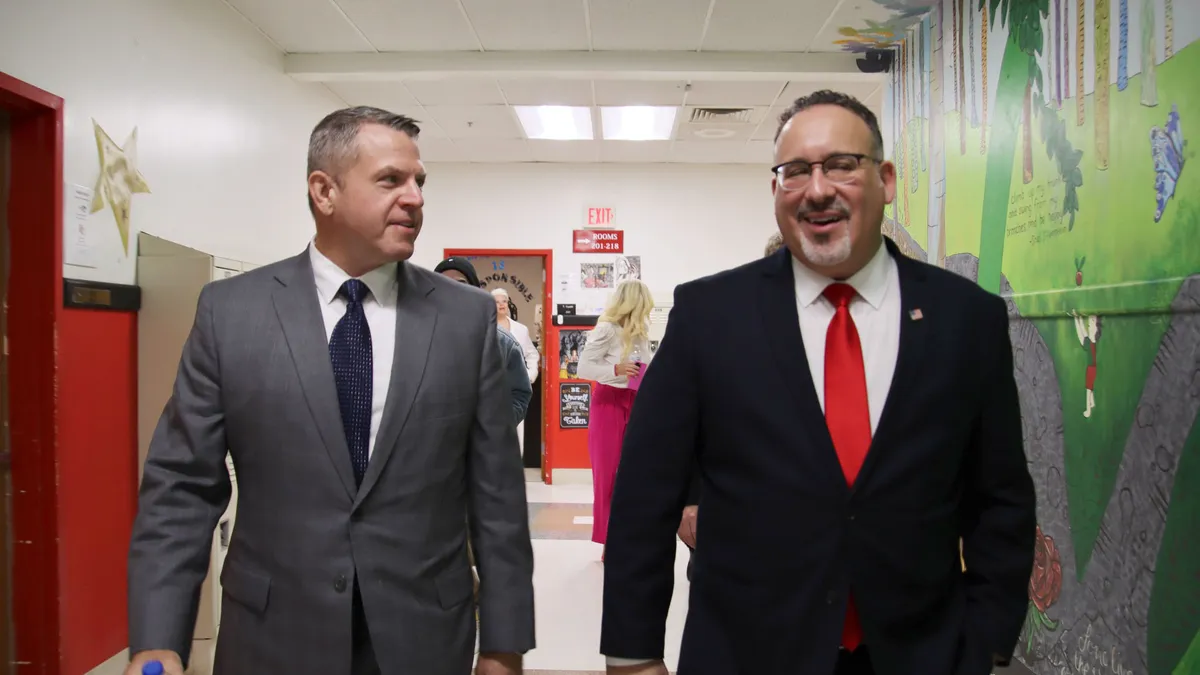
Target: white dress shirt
[
  {"x": 380, "y": 310},
  {"x": 603, "y": 350},
  {"x": 876, "y": 314},
  {"x": 521, "y": 334}
]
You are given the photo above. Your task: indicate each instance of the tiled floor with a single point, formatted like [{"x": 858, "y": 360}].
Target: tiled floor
[{"x": 568, "y": 581}]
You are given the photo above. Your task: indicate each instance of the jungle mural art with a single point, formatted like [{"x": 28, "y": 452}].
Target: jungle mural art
[{"x": 1042, "y": 150}]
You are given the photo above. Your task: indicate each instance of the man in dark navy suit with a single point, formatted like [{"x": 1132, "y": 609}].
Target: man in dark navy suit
[{"x": 852, "y": 418}]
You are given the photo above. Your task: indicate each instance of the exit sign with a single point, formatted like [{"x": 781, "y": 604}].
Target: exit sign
[
  {"x": 598, "y": 241},
  {"x": 599, "y": 216}
]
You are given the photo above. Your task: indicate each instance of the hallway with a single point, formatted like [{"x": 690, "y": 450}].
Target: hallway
[{"x": 568, "y": 582}]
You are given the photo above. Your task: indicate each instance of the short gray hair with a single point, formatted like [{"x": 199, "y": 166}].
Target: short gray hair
[
  {"x": 333, "y": 143},
  {"x": 837, "y": 98},
  {"x": 500, "y": 291}
]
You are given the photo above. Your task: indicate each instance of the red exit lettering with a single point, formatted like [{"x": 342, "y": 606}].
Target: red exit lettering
[{"x": 599, "y": 216}]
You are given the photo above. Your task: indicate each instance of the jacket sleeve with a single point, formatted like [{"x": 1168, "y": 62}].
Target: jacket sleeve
[
  {"x": 651, "y": 488},
  {"x": 185, "y": 489},
  {"x": 594, "y": 362},
  {"x": 497, "y": 512},
  {"x": 999, "y": 522},
  {"x": 518, "y": 381}
]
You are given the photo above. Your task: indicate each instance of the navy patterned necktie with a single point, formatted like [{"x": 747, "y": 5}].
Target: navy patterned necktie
[{"x": 350, "y": 352}]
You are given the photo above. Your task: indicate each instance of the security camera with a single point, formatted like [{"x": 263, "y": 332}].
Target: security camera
[{"x": 876, "y": 61}]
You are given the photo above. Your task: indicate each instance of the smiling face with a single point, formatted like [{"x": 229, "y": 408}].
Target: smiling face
[
  {"x": 501, "y": 305},
  {"x": 833, "y": 227},
  {"x": 370, "y": 212}
]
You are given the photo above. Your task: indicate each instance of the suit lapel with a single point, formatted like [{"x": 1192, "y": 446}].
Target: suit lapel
[
  {"x": 915, "y": 303},
  {"x": 299, "y": 313},
  {"x": 416, "y": 318},
  {"x": 781, "y": 320}
]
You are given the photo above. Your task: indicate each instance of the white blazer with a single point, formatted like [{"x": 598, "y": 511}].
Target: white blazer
[
  {"x": 603, "y": 351},
  {"x": 521, "y": 334}
]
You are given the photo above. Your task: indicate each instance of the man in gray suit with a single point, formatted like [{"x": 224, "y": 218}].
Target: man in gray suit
[{"x": 364, "y": 405}]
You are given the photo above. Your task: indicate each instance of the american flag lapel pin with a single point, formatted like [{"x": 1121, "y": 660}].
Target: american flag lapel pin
[{"x": 915, "y": 314}]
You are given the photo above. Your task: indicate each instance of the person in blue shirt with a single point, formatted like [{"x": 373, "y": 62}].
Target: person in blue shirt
[{"x": 461, "y": 270}]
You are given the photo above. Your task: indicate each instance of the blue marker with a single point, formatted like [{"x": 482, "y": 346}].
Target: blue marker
[{"x": 152, "y": 668}]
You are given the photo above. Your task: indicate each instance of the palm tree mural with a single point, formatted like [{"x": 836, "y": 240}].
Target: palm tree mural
[
  {"x": 1079, "y": 54},
  {"x": 1168, "y": 29},
  {"x": 1065, "y": 55},
  {"x": 936, "y": 244},
  {"x": 1149, "y": 56},
  {"x": 1019, "y": 74},
  {"x": 1123, "y": 46},
  {"x": 970, "y": 12},
  {"x": 1100, "y": 96},
  {"x": 983, "y": 40},
  {"x": 962, "y": 82}
]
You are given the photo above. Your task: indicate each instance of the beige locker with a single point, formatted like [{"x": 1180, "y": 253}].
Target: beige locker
[{"x": 171, "y": 277}]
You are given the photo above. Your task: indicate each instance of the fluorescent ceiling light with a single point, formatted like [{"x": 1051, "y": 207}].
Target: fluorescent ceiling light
[
  {"x": 638, "y": 122},
  {"x": 556, "y": 122}
]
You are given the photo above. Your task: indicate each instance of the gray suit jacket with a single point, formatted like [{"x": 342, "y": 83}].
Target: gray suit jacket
[{"x": 255, "y": 377}]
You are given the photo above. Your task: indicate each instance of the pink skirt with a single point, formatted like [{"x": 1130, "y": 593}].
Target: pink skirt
[{"x": 606, "y": 431}]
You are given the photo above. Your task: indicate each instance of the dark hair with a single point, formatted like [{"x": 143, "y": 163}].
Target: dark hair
[
  {"x": 333, "y": 143},
  {"x": 828, "y": 97}
]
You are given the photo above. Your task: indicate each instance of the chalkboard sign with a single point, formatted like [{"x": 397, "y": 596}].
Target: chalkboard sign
[{"x": 574, "y": 402}]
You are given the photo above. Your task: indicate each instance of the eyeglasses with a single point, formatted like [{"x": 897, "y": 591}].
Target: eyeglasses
[{"x": 841, "y": 168}]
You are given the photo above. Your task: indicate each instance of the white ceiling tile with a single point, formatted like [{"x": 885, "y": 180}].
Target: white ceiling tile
[
  {"x": 714, "y": 133},
  {"x": 528, "y": 25},
  {"x": 734, "y": 94},
  {"x": 769, "y": 125},
  {"x": 476, "y": 121},
  {"x": 635, "y": 151},
  {"x": 766, "y": 25},
  {"x": 547, "y": 92},
  {"x": 439, "y": 150},
  {"x": 411, "y": 25},
  {"x": 303, "y": 25},
  {"x": 638, "y": 92},
  {"x": 708, "y": 152},
  {"x": 581, "y": 152},
  {"x": 647, "y": 24},
  {"x": 495, "y": 150},
  {"x": 455, "y": 92},
  {"x": 387, "y": 95}
]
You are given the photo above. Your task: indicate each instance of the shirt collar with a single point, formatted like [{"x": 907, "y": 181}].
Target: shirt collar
[
  {"x": 871, "y": 281},
  {"x": 329, "y": 278}
]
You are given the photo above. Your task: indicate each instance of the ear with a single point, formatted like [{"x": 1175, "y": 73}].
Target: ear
[
  {"x": 774, "y": 185},
  {"x": 323, "y": 189},
  {"x": 887, "y": 174}
]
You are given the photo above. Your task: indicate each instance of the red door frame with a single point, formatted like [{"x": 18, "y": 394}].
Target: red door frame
[
  {"x": 35, "y": 212},
  {"x": 548, "y": 373}
]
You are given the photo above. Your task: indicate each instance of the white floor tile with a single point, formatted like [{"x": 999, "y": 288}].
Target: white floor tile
[
  {"x": 568, "y": 584},
  {"x": 540, "y": 493}
]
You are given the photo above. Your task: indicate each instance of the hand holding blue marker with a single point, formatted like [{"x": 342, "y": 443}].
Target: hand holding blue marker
[{"x": 152, "y": 668}]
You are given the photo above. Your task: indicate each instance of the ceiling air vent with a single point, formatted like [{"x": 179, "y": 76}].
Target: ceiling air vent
[{"x": 721, "y": 115}]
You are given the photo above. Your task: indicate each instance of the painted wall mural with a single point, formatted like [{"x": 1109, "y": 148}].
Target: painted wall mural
[{"x": 1042, "y": 150}]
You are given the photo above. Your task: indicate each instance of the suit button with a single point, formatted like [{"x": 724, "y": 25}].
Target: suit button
[
  {"x": 340, "y": 584},
  {"x": 830, "y": 597}
]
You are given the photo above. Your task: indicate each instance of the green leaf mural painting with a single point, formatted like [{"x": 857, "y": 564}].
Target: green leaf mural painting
[{"x": 1082, "y": 208}]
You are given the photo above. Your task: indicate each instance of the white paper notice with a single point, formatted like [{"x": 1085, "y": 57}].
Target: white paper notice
[{"x": 78, "y": 248}]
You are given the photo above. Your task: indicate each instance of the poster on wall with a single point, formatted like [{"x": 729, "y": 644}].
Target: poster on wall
[
  {"x": 570, "y": 346},
  {"x": 597, "y": 275},
  {"x": 629, "y": 267},
  {"x": 574, "y": 404}
]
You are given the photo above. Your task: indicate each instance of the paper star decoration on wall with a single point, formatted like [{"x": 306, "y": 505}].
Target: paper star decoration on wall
[{"x": 119, "y": 179}]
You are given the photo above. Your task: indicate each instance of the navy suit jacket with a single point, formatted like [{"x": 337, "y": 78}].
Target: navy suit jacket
[{"x": 785, "y": 540}]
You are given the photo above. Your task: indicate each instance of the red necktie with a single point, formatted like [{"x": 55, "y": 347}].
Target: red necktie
[{"x": 846, "y": 410}]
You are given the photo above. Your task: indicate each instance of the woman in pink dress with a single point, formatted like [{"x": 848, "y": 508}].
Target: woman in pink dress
[{"x": 616, "y": 352}]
